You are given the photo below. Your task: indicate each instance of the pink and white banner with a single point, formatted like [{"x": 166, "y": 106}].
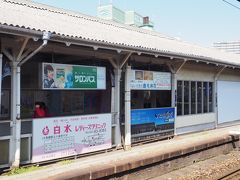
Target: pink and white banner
[{"x": 67, "y": 136}]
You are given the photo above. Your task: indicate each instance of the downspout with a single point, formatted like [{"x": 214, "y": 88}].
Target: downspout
[
  {"x": 16, "y": 100},
  {"x": 127, "y": 101},
  {"x": 46, "y": 36},
  {"x": 116, "y": 104}
]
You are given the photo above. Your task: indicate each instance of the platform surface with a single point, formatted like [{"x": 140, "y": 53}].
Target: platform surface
[{"x": 108, "y": 163}]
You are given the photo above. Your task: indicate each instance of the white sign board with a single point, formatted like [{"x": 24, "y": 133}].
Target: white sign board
[
  {"x": 65, "y": 76},
  {"x": 150, "y": 80},
  {"x": 67, "y": 136}
]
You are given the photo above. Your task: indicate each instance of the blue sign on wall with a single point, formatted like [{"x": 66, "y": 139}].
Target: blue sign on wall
[{"x": 158, "y": 116}]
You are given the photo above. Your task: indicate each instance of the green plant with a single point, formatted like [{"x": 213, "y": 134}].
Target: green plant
[
  {"x": 67, "y": 161},
  {"x": 21, "y": 170}
]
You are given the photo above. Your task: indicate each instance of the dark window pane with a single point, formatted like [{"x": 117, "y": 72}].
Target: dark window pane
[
  {"x": 61, "y": 102},
  {"x": 210, "y": 97},
  {"x": 150, "y": 99},
  {"x": 163, "y": 98},
  {"x": 147, "y": 96},
  {"x": 199, "y": 97},
  {"x": 5, "y": 105},
  {"x": 136, "y": 99},
  {"x": 186, "y": 97},
  {"x": 179, "y": 98},
  {"x": 193, "y": 97},
  {"x": 27, "y": 103},
  {"x": 205, "y": 97},
  {"x": 65, "y": 103}
]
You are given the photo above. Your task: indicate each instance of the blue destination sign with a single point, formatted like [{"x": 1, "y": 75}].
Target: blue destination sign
[{"x": 158, "y": 116}]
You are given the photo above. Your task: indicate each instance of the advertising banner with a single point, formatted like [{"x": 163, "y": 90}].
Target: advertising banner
[
  {"x": 158, "y": 116},
  {"x": 152, "y": 122},
  {"x": 64, "y": 76},
  {"x": 150, "y": 80},
  {"x": 67, "y": 136}
]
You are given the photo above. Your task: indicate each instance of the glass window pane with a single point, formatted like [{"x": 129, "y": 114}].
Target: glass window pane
[
  {"x": 5, "y": 105},
  {"x": 199, "y": 97},
  {"x": 179, "y": 98},
  {"x": 4, "y": 153},
  {"x": 193, "y": 97},
  {"x": 150, "y": 99},
  {"x": 147, "y": 99},
  {"x": 186, "y": 97},
  {"x": 27, "y": 103},
  {"x": 163, "y": 98},
  {"x": 136, "y": 99},
  {"x": 210, "y": 97},
  {"x": 205, "y": 97}
]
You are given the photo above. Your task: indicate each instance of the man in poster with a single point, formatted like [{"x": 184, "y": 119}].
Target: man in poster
[{"x": 48, "y": 76}]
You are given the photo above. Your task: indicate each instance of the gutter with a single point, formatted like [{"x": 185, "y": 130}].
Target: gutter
[{"x": 105, "y": 45}]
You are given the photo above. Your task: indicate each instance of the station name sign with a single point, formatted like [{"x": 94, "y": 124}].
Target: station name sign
[
  {"x": 150, "y": 80},
  {"x": 65, "y": 76}
]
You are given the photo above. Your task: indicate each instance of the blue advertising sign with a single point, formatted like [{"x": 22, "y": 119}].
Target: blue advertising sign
[{"x": 158, "y": 116}]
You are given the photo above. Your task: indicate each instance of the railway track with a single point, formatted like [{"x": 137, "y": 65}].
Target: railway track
[
  {"x": 235, "y": 175},
  {"x": 222, "y": 167}
]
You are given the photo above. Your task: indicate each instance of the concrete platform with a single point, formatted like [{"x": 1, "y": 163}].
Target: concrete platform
[{"x": 158, "y": 154}]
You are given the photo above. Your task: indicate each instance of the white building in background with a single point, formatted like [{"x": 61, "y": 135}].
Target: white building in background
[
  {"x": 233, "y": 47},
  {"x": 132, "y": 18}
]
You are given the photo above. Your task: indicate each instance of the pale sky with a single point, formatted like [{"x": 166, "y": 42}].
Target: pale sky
[{"x": 196, "y": 21}]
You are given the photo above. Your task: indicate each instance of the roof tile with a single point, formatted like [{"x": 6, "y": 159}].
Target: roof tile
[{"x": 35, "y": 16}]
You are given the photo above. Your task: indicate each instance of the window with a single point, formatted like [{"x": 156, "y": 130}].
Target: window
[
  {"x": 205, "y": 97},
  {"x": 179, "y": 98},
  {"x": 199, "y": 97},
  {"x": 186, "y": 97},
  {"x": 5, "y": 105},
  {"x": 194, "y": 97},
  {"x": 5, "y": 111},
  {"x": 210, "y": 86},
  {"x": 61, "y": 102},
  {"x": 141, "y": 99},
  {"x": 66, "y": 103}
]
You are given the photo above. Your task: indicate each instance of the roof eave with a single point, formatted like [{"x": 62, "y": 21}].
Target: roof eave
[{"x": 30, "y": 33}]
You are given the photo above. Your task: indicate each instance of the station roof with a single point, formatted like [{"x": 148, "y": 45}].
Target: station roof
[{"x": 69, "y": 25}]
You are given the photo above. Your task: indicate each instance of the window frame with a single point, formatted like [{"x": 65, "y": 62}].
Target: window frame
[{"x": 182, "y": 103}]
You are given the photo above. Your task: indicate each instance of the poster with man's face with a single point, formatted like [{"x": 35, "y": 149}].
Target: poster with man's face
[
  {"x": 48, "y": 81},
  {"x": 65, "y": 76}
]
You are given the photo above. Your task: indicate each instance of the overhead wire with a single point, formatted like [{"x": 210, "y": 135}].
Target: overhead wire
[{"x": 232, "y": 4}]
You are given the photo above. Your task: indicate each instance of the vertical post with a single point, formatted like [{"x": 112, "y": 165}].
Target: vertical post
[
  {"x": 174, "y": 89},
  {"x": 127, "y": 109},
  {"x": 215, "y": 105},
  {"x": 173, "y": 104},
  {"x": 15, "y": 115},
  {"x": 117, "y": 73}
]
